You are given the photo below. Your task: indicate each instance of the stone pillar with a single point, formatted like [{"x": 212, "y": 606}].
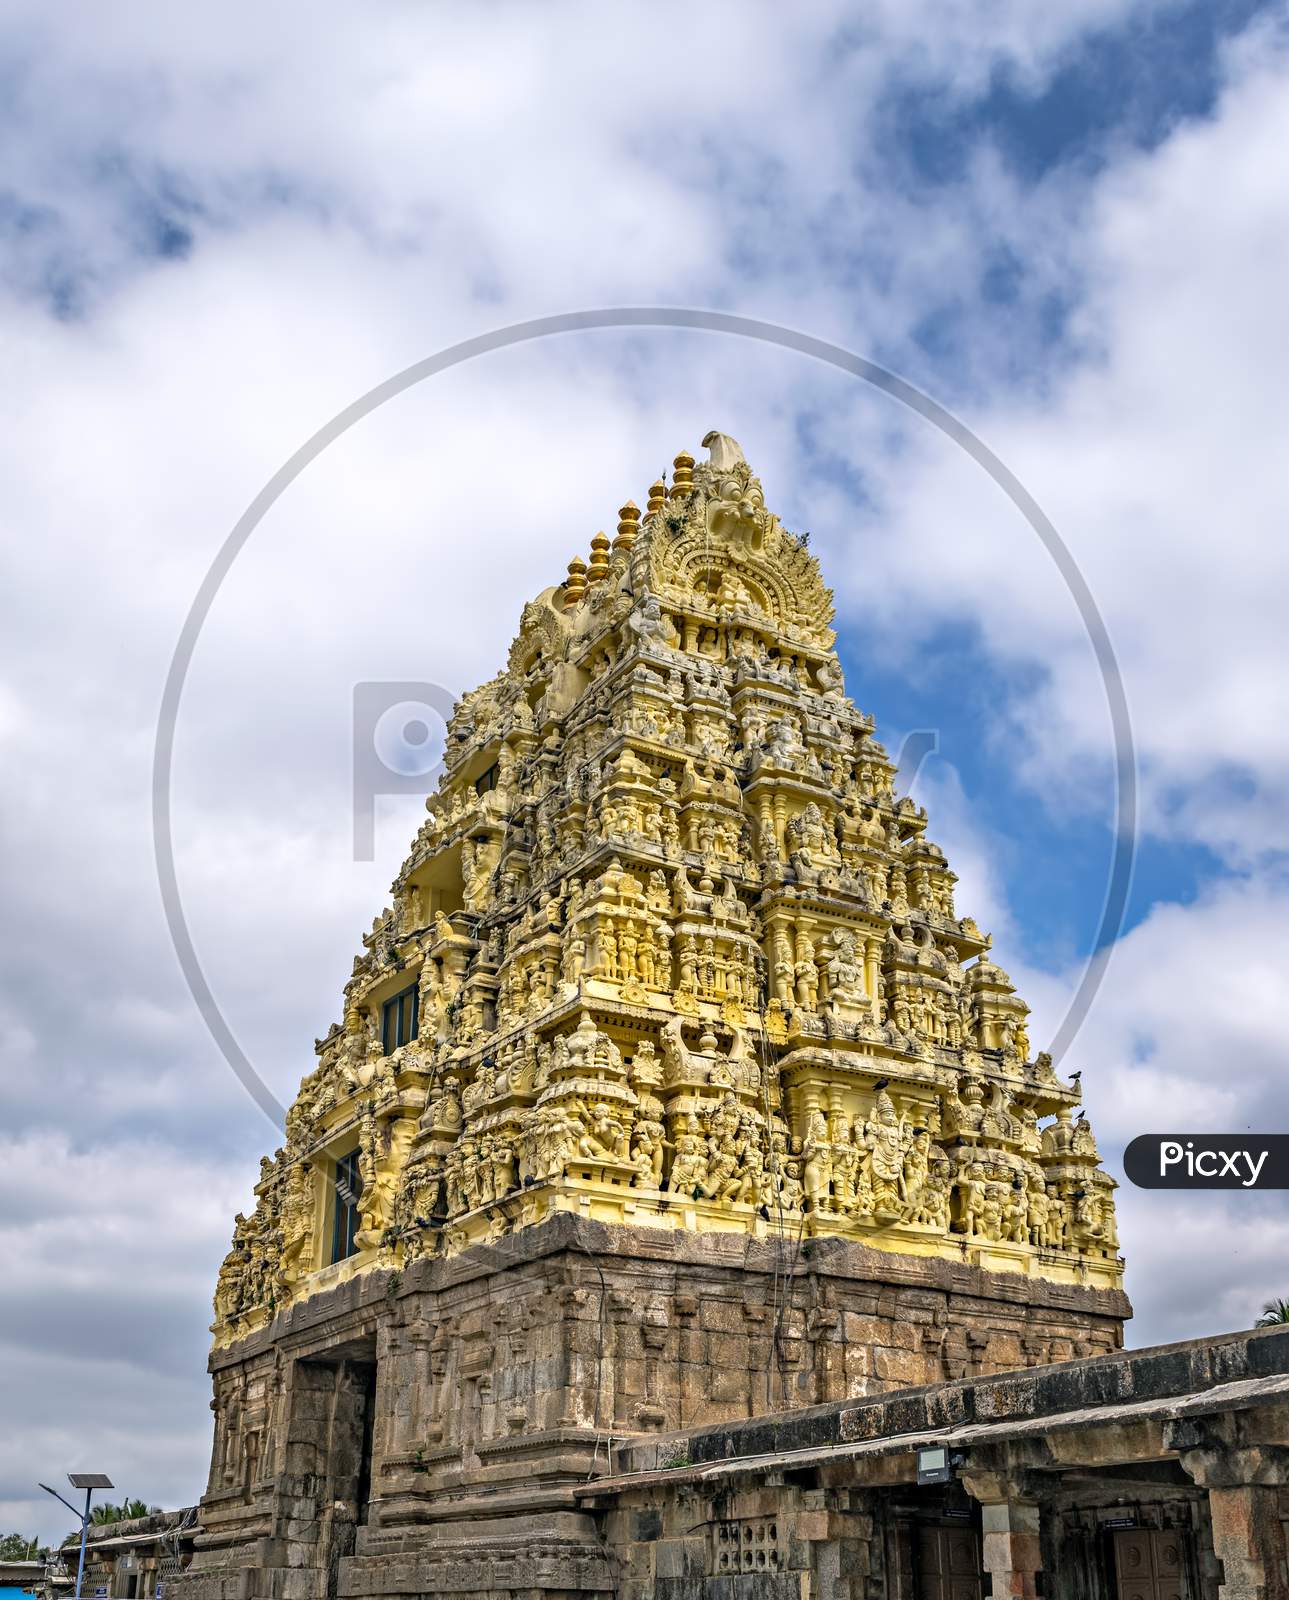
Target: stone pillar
[
  {"x": 1244, "y": 1483},
  {"x": 872, "y": 966},
  {"x": 1010, "y": 1524},
  {"x": 1249, "y": 1541}
]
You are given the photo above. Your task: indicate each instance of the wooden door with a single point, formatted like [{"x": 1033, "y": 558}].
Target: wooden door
[
  {"x": 948, "y": 1563},
  {"x": 1150, "y": 1564}
]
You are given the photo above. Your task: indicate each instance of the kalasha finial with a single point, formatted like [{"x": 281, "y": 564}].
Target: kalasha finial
[
  {"x": 575, "y": 584},
  {"x": 657, "y": 497},
  {"x": 683, "y": 478},
  {"x": 599, "y": 558},
  {"x": 628, "y": 526}
]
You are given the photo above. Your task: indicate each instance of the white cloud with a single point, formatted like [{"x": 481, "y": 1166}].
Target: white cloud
[
  {"x": 1157, "y": 457},
  {"x": 109, "y": 1258}
]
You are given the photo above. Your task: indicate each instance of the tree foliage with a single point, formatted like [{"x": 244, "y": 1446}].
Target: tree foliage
[{"x": 18, "y": 1547}]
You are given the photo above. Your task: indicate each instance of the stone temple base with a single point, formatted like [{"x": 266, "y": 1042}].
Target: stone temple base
[{"x": 424, "y": 1432}]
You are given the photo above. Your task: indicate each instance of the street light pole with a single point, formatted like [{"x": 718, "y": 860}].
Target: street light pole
[
  {"x": 89, "y": 1481},
  {"x": 85, "y": 1528}
]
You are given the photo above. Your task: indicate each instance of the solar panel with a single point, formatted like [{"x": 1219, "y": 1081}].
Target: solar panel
[{"x": 89, "y": 1480}]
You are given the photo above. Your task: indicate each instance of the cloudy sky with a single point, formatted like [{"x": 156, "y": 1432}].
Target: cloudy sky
[{"x": 219, "y": 227}]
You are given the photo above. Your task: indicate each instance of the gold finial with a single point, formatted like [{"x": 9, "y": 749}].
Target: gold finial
[
  {"x": 683, "y": 478},
  {"x": 628, "y": 526},
  {"x": 599, "y": 558},
  {"x": 657, "y": 497},
  {"x": 575, "y": 583}
]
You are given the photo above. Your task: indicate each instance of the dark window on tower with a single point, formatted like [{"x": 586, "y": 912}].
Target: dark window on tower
[
  {"x": 399, "y": 1019},
  {"x": 486, "y": 780},
  {"x": 348, "y": 1188}
]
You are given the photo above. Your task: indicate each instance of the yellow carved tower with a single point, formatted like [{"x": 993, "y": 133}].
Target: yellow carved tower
[{"x": 669, "y": 952}]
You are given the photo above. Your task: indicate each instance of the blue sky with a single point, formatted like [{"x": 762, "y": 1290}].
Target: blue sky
[{"x": 217, "y": 230}]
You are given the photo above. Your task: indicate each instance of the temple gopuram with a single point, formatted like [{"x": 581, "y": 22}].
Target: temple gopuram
[{"x": 671, "y": 1095}]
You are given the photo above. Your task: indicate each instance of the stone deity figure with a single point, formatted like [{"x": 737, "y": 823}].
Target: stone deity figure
[
  {"x": 722, "y": 1180},
  {"x": 503, "y": 1165},
  {"x": 1082, "y": 1142},
  {"x": 648, "y": 1143},
  {"x": 886, "y": 1136},
  {"x": 933, "y": 1204},
  {"x": 1015, "y": 1217},
  {"x": 604, "y": 1137},
  {"x": 917, "y": 1166},
  {"x": 845, "y": 1168},
  {"x": 990, "y": 1220},
  {"x": 647, "y": 622},
  {"x": 971, "y": 1189},
  {"x": 817, "y": 1154},
  {"x": 784, "y": 969},
  {"x": 791, "y": 1192},
  {"x": 689, "y": 1168},
  {"x": 297, "y": 1221},
  {"x": 785, "y": 742},
  {"x": 1037, "y": 1209},
  {"x": 845, "y": 974},
  {"x": 807, "y": 972},
  {"x": 688, "y": 983}
]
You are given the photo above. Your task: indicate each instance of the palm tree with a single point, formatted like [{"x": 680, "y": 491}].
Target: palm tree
[
  {"x": 107, "y": 1512},
  {"x": 1274, "y": 1313}
]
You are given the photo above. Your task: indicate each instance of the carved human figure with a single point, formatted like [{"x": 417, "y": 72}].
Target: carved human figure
[
  {"x": 1015, "y": 1214},
  {"x": 990, "y": 1220},
  {"x": 1037, "y": 1209},
  {"x": 971, "y": 1194},
  {"x": 648, "y": 1145},
  {"x": 886, "y": 1135},
  {"x": 845, "y": 1168},
  {"x": 806, "y": 972},
  {"x": 573, "y": 960},
  {"x": 627, "y": 946},
  {"x": 503, "y": 1166},
  {"x": 722, "y": 1178},
  {"x": 917, "y": 1166},
  {"x": 751, "y": 1175},
  {"x": 816, "y": 1153},
  {"x": 484, "y": 1174},
  {"x": 784, "y": 969},
  {"x": 785, "y": 742},
  {"x": 689, "y": 1167},
  {"x": 297, "y": 1222},
  {"x": 608, "y": 952},
  {"x": 603, "y": 1135},
  {"x": 688, "y": 960},
  {"x": 845, "y": 972}
]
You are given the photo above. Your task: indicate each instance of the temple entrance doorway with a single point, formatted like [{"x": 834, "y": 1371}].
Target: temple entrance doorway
[
  {"x": 329, "y": 1459},
  {"x": 1150, "y": 1564},
  {"x": 947, "y": 1562}
]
